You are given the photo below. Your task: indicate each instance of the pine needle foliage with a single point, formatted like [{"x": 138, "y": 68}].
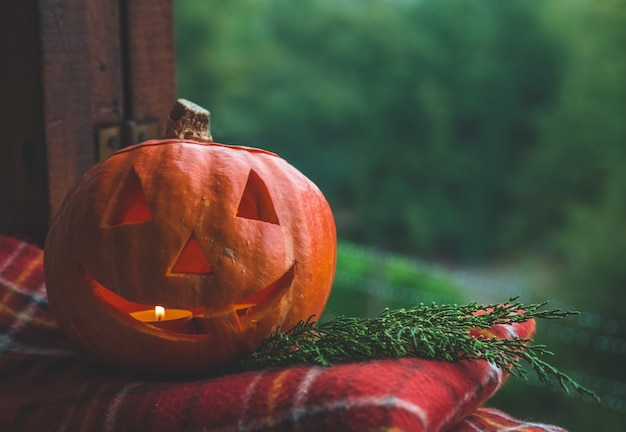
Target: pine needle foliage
[{"x": 439, "y": 332}]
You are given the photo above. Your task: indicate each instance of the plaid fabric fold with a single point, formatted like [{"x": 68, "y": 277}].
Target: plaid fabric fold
[{"x": 46, "y": 385}]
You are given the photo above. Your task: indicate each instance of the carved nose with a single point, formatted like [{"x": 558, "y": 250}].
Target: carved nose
[{"x": 192, "y": 258}]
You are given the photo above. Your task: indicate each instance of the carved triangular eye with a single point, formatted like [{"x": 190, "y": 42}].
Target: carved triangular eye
[
  {"x": 129, "y": 205},
  {"x": 192, "y": 258},
  {"x": 256, "y": 202}
]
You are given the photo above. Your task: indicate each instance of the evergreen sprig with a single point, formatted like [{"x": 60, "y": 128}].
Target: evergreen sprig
[{"x": 439, "y": 332}]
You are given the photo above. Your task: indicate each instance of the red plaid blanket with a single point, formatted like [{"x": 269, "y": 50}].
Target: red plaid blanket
[{"x": 46, "y": 385}]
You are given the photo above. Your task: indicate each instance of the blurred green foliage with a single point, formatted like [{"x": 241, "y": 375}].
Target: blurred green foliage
[
  {"x": 459, "y": 131},
  {"x": 411, "y": 116},
  {"x": 368, "y": 280}
]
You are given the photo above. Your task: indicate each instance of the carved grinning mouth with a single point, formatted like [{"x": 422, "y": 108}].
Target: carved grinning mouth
[{"x": 239, "y": 314}]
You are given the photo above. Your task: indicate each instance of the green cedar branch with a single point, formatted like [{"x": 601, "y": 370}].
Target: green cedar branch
[{"x": 439, "y": 332}]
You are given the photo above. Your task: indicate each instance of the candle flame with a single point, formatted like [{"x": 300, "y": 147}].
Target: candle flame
[{"x": 159, "y": 313}]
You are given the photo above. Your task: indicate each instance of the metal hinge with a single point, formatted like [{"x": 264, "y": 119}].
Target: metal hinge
[{"x": 110, "y": 139}]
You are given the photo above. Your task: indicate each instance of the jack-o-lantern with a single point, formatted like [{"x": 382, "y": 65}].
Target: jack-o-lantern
[{"x": 227, "y": 242}]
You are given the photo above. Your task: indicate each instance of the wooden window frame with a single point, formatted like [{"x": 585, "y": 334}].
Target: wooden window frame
[{"x": 72, "y": 70}]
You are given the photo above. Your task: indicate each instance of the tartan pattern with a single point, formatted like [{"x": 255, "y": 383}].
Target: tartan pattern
[
  {"x": 25, "y": 321},
  {"x": 490, "y": 419},
  {"x": 46, "y": 385}
]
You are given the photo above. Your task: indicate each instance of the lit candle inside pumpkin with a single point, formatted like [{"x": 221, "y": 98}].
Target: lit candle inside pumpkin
[
  {"x": 176, "y": 320},
  {"x": 159, "y": 313}
]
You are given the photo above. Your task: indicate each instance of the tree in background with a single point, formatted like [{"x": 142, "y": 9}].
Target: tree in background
[
  {"x": 572, "y": 189},
  {"x": 445, "y": 129},
  {"x": 411, "y": 116}
]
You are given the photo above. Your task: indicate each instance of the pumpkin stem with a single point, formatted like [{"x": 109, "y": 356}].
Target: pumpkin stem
[{"x": 188, "y": 121}]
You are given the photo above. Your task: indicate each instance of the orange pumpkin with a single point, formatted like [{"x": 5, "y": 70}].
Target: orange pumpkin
[{"x": 234, "y": 236}]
